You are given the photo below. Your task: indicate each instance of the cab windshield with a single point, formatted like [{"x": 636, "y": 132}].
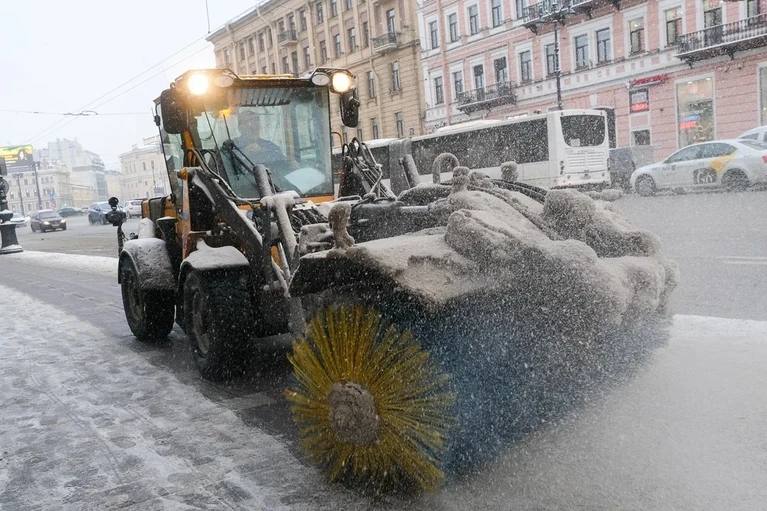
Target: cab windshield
[{"x": 287, "y": 129}]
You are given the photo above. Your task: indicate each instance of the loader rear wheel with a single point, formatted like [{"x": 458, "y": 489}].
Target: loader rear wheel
[
  {"x": 149, "y": 313},
  {"x": 217, "y": 309},
  {"x": 369, "y": 402}
]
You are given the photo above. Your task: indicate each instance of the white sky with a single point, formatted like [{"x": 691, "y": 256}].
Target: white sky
[{"x": 60, "y": 55}]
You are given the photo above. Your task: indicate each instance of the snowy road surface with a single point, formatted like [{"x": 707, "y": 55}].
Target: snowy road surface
[{"x": 94, "y": 420}]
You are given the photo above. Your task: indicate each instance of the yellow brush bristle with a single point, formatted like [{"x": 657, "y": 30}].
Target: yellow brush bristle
[{"x": 412, "y": 401}]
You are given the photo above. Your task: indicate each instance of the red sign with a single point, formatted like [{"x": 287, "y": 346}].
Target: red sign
[
  {"x": 639, "y": 101},
  {"x": 649, "y": 80}
]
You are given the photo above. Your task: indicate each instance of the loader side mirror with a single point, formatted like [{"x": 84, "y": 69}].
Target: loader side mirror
[
  {"x": 350, "y": 108},
  {"x": 171, "y": 108}
]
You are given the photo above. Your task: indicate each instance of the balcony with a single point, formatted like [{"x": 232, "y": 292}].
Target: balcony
[
  {"x": 723, "y": 39},
  {"x": 546, "y": 11},
  {"x": 287, "y": 38},
  {"x": 486, "y": 98},
  {"x": 386, "y": 42}
]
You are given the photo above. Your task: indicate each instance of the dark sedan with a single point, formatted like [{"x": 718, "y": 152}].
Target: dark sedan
[
  {"x": 47, "y": 220},
  {"x": 97, "y": 213},
  {"x": 65, "y": 212}
]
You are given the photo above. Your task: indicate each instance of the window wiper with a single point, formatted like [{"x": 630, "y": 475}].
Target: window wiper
[{"x": 260, "y": 173}]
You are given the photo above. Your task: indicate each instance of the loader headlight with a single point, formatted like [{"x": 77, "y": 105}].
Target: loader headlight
[
  {"x": 342, "y": 82},
  {"x": 198, "y": 84},
  {"x": 320, "y": 79}
]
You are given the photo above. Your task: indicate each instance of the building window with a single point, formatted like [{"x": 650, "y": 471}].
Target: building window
[
  {"x": 695, "y": 111},
  {"x": 712, "y": 13},
  {"x": 333, "y": 8},
  {"x": 458, "y": 82},
  {"x": 337, "y": 45},
  {"x": 439, "y": 96},
  {"x": 227, "y": 58},
  {"x": 302, "y": 19},
  {"x": 292, "y": 23},
  {"x": 673, "y": 25},
  {"x": 400, "y": 124},
  {"x": 371, "y": 84},
  {"x": 359, "y": 134},
  {"x": 473, "y": 20},
  {"x": 348, "y": 5},
  {"x": 374, "y": 128},
  {"x": 269, "y": 37},
  {"x": 636, "y": 36},
  {"x": 582, "y": 52},
  {"x": 241, "y": 47},
  {"x": 365, "y": 34},
  {"x": 641, "y": 137},
  {"x": 479, "y": 77},
  {"x": 603, "y": 46},
  {"x": 323, "y": 52},
  {"x": 496, "y": 11},
  {"x": 320, "y": 13},
  {"x": 551, "y": 60},
  {"x": 261, "y": 42},
  {"x": 294, "y": 61},
  {"x": 639, "y": 101},
  {"x": 391, "y": 24},
  {"x": 352, "y": 33},
  {"x": 251, "y": 47},
  {"x": 525, "y": 66},
  {"x": 521, "y": 4},
  {"x": 452, "y": 27},
  {"x": 501, "y": 70},
  {"x": 752, "y": 8},
  {"x": 285, "y": 65},
  {"x": 307, "y": 58},
  {"x": 433, "y": 35},
  {"x": 395, "y": 84}
]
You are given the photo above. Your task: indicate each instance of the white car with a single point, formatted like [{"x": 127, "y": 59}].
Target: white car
[
  {"x": 734, "y": 164},
  {"x": 20, "y": 221},
  {"x": 133, "y": 208},
  {"x": 759, "y": 134}
]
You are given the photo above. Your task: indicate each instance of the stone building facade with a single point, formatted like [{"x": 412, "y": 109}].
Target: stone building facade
[
  {"x": 673, "y": 72},
  {"x": 377, "y": 40},
  {"x": 143, "y": 172}
]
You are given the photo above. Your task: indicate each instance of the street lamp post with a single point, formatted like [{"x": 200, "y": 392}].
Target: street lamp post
[{"x": 557, "y": 68}]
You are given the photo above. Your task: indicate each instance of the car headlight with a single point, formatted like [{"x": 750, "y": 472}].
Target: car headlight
[{"x": 46, "y": 223}]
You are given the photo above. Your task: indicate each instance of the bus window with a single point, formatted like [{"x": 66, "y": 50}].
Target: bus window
[
  {"x": 583, "y": 130},
  {"x": 524, "y": 142}
]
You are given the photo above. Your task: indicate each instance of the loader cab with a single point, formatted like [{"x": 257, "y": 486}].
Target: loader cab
[{"x": 230, "y": 123}]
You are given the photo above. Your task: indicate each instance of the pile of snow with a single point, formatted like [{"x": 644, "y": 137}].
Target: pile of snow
[
  {"x": 607, "y": 195},
  {"x": 72, "y": 262}
]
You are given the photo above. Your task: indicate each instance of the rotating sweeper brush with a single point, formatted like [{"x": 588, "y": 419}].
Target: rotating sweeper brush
[{"x": 436, "y": 348}]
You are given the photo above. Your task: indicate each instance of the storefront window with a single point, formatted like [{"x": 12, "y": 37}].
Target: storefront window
[
  {"x": 695, "y": 115},
  {"x": 639, "y": 101},
  {"x": 763, "y": 95}
]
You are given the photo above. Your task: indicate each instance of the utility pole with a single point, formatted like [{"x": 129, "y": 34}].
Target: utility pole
[
  {"x": 557, "y": 68},
  {"x": 37, "y": 185},
  {"x": 21, "y": 197}
]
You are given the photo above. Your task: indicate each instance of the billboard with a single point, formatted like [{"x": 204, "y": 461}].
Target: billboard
[{"x": 17, "y": 156}]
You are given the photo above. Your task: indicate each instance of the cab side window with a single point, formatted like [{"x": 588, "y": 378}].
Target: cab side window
[
  {"x": 716, "y": 150},
  {"x": 686, "y": 154}
]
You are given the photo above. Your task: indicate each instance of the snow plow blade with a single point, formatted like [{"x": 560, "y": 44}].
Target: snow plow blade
[{"x": 426, "y": 353}]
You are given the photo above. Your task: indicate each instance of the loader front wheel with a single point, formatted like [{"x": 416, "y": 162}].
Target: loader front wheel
[
  {"x": 150, "y": 313},
  {"x": 369, "y": 402},
  {"x": 216, "y": 311}
]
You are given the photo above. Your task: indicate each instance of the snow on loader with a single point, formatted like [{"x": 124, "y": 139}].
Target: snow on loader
[{"x": 434, "y": 321}]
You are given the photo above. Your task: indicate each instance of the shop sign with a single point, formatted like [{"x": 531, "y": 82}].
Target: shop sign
[{"x": 648, "y": 80}]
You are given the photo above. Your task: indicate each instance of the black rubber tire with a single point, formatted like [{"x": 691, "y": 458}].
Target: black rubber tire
[
  {"x": 32, "y": 227},
  {"x": 645, "y": 186},
  {"x": 150, "y": 314},
  {"x": 735, "y": 180},
  {"x": 64, "y": 228},
  {"x": 218, "y": 313}
]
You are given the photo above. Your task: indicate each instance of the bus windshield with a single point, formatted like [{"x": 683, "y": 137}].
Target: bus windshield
[
  {"x": 287, "y": 129},
  {"x": 583, "y": 130}
]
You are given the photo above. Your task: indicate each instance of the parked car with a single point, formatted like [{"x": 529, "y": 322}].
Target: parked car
[
  {"x": 759, "y": 134},
  {"x": 97, "y": 213},
  {"x": 47, "y": 220},
  {"x": 133, "y": 208},
  {"x": 733, "y": 164},
  {"x": 66, "y": 212},
  {"x": 20, "y": 221}
]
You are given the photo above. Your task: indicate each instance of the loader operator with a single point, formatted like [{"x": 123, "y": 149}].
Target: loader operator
[{"x": 259, "y": 150}]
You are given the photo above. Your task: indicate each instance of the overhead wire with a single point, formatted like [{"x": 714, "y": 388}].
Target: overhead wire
[{"x": 105, "y": 97}]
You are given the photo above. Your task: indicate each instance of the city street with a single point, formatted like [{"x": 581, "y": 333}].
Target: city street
[{"x": 95, "y": 420}]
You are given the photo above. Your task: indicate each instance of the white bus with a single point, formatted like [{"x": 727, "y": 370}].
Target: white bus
[{"x": 558, "y": 149}]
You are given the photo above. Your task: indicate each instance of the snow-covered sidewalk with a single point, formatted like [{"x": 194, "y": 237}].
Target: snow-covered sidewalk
[
  {"x": 72, "y": 262},
  {"x": 88, "y": 423}
]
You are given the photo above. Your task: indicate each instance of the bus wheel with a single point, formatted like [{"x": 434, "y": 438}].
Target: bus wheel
[{"x": 645, "y": 186}]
